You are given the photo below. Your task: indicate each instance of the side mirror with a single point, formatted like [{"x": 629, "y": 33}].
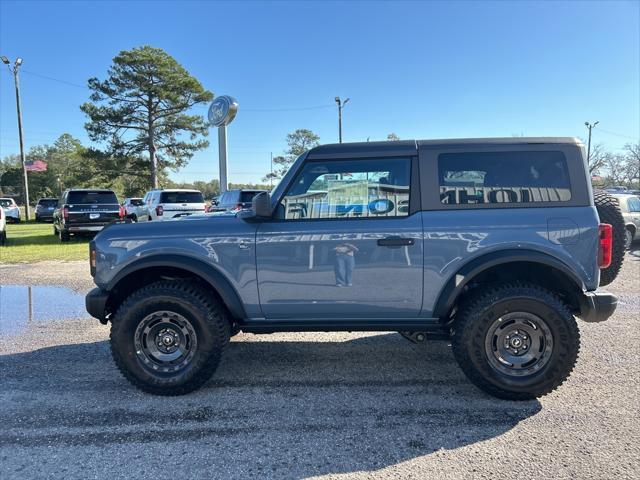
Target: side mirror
[{"x": 260, "y": 207}]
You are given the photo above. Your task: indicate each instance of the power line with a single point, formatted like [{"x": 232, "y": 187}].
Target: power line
[
  {"x": 618, "y": 134},
  {"x": 54, "y": 79},
  {"x": 291, "y": 109}
]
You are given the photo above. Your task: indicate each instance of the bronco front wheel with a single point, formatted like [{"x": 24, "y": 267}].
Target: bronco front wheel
[
  {"x": 168, "y": 337},
  {"x": 516, "y": 341}
]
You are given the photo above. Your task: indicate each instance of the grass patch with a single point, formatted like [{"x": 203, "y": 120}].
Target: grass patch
[{"x": 33, "y": 242}]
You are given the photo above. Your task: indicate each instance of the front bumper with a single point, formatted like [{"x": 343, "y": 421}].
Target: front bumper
[
  {"x": 597, "y": 306},
  {"x": 96, "y": 303}
]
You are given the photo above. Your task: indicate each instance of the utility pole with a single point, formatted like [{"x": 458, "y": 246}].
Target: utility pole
[
  {"x": 271, "y": 176},
  {"x": 14, "y": 71},
  {"x": 341, "y": 105},
  {"x": 590, "y": 127}
]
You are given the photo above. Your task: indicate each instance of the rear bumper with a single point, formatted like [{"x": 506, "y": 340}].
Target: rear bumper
[
  {"x": 96, "y": 303},
  {"x": 597, "y": 306},
  {"x": 84, "y": 227}
]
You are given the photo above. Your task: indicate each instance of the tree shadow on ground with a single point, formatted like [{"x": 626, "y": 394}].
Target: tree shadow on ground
[{"x": 276, "y": 407}]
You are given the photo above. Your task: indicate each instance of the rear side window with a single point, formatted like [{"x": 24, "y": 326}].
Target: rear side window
[
  {"x": 473, "y": 178},
  {"x": 181, "y": 197},
  {"x": 86, "y": 197}
]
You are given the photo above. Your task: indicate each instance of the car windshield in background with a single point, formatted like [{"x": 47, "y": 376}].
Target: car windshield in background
[
  {"x": 136, "y": 202},
  {"x": 246, "y": 197},
  {"x": 48, "y": 203},
  {"x": 6, "y": 203},
  {"x": 92, "y": 197},
  {"x": 181, "y": 197}
]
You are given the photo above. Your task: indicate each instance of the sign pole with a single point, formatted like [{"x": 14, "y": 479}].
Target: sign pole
[
  {"x": 221, "y": 113},
  {"x": 222, "y": 157}
]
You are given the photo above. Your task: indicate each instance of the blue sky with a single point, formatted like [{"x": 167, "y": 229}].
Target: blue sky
[{"x": 419, "y": 69}]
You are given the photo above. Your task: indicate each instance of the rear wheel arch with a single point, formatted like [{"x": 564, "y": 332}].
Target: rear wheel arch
[
  {"x": 152, "y": 269},
  {"x": 509, "y": 265}
]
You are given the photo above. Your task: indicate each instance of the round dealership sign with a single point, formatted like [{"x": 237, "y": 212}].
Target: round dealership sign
[{"x": 222, "y": 111}]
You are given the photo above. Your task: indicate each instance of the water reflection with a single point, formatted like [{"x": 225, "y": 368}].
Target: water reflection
[{"x": 23, "y": 307}]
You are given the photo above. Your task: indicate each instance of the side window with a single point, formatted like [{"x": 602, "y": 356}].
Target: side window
[
  {"x": 634, "y": 204},
  {"x": 473, "y": 178},
  {"x": 349, "y": 189}
]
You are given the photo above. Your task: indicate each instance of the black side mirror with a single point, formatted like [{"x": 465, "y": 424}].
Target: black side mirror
[{"x": 260, "y": 207}]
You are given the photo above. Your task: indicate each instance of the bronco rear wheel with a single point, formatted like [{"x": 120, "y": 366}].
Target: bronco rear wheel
[
  {"x": 168, "y": 337},
  {"x": 516, "y": 341}
]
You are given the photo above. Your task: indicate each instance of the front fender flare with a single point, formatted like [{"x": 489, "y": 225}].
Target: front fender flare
[{"x": 208, "y": 273}]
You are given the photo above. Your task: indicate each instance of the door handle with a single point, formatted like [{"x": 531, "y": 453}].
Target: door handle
[{"x": 395, "y": 242}]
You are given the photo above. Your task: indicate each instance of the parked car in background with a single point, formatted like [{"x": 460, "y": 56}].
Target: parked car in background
[
  {"x": 165, "y": 204},
  {"x": 84, "y": 211},
  {"x": 234, "y": 200},
  {"x": 630, "y": 207},
  {"x": 133, "y": 208},
  {"x": 11, "y": 210},
  {"x": 45, "y": 208},
  {"x": 616, "y": 189},
  {"x": 3, "y": 226}
]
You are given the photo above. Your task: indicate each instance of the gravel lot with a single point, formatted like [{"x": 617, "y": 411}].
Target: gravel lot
[{"x": 304, "y": 405}]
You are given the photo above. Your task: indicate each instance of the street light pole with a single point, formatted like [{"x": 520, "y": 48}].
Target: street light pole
[
  {"x": 341, "y": 105},
  {"x": 590, "y": 127},
  {"x": 14, "y": 71}
]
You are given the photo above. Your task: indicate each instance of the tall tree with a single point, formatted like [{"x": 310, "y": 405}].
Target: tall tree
[
  {"x": 299, "y": 142},
  {"x": 142, "y": 106}
]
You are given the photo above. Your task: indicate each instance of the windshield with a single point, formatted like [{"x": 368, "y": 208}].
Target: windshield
[
  {"x": 181, "y": 197},
  {"x": 6, "y": 202},
  {"x": 136, "y": 202},
  {"x": 91, "y": 197},
  {"x": 48, "y": 203}
]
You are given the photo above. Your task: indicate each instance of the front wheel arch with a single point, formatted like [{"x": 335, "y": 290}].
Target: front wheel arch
[{"x": 149, "y": 270}]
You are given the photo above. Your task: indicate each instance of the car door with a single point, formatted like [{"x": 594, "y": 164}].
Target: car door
[{"x": 345, "y": 242}]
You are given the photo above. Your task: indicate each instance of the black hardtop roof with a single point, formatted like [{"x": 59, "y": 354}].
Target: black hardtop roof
[{"x": 404, "y": 147}]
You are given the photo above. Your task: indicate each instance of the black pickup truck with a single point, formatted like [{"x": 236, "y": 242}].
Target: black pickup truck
[{"x": 85, "y": 211}]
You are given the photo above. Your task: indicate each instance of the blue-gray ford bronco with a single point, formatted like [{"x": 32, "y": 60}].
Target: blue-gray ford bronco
[{"x": 493, "y": 244}]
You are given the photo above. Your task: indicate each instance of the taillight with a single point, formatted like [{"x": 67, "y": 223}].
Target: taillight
[
  {"x": 121, "y": 212},
  {"x": 605, "y": 246},
  {"x": 159, "y": 210},
  {"x": 65, "y": 213}
]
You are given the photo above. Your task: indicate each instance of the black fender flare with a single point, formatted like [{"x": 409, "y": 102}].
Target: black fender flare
[
  {"x": 448, "y": 295},
  {"x": 206, "y": 272}
]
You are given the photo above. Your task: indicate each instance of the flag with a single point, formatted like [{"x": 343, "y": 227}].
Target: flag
[{"x": 36, "y": 166}]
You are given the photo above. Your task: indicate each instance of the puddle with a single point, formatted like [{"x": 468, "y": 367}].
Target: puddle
[{"x": 23, "y": 307}]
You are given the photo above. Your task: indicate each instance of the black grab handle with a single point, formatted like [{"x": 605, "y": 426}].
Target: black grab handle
[{"x": 395, "y": 242}]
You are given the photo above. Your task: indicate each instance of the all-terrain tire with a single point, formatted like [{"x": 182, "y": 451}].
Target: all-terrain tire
[
  {"x": 207, "y": 316},
  {"x": 609, "y": 212},
  {"x": 473, "y": 324}
]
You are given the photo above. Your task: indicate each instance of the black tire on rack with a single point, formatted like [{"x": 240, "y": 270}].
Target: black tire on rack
[{"x": 609, "y": 212}]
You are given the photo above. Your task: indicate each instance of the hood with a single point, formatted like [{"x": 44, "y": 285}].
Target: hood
[{"x": 196, "y": 225}]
